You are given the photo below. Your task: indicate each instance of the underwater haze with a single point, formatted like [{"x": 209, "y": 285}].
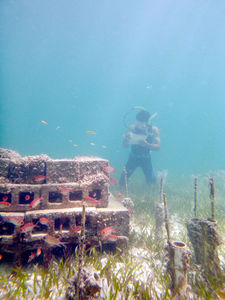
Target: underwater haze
[{"x": 83, "y": 65}]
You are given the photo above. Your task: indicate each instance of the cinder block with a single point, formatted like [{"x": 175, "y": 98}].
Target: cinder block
[
  {"x": 98, "y": 188},
  {"x": 9, "y": 229},
  {"x": 4, "y": 167},
  {"x": 18, "y": 171},
  {"x": 19, "y": 196},
  {"x": 10, "y": 154},
  {"x": 116, "y": 218},
  {"x": 36, "y": 167},
  {"x": 25, "y": 170},
  {"x": 62, "y": 171},
  {"x": 89, "y": 165}
]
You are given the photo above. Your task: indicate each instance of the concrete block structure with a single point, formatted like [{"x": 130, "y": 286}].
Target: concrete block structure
[{"x": 37, "y": 188}]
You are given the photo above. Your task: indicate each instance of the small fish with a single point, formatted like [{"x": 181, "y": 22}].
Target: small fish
[
  {"x": 35, "y": 202},
  {"x": 107, "y": 231},
  {"x": 27, "y": 228},
  {"x": 76, "y": 228},
  {"x": 44, "y": 122},
  {"x": 1, "y": 256},
  {"x": 113, "y": 180},
  {"x": 112, "y": 237},
  {"x": 53, "y": 241},
  {"x": 92, "y": 199},
  {"x": 4, "y": 204},
  {"x": 70, "y": 141},
  {"x": 90, "y": 132},
  {"x": 31, "y": 257},
  {"x": 38, "y": 252},
  {"x": 44, "y": 221},
  {"x": 75, "y": 145},
  {"x": 15, "y": 220},
  {"x": 57, "y": 127},
  {"x": 27, "y": 197},
  {"x": 221, "y": 294},
  {"x": 5, "y": 198},
  {"x": 104, "y": 147},
  {"x": 65, "y": 191},
  {"x": 131, "y": 211},
  {"x": 40, "y": 178},
  {"x": 92, "y": 144},
  {"x": 109, "y": 169}
]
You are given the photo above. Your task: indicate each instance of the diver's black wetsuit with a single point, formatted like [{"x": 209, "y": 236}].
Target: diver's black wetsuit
[{"x": 140, "y": 157}]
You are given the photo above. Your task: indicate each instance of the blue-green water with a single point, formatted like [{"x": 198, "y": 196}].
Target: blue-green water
[{"x": 81, "y": 65}]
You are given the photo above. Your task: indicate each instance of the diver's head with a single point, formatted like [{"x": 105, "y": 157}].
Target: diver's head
[{"x": 143, "y": 116}]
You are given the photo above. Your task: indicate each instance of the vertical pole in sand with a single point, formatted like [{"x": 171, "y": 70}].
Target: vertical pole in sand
[
  {"x": 81, "y": 252},
  {"x": 195, "y": 196},
  {"x": 212, "y": 197},
  {"x": 166, "y": 218},
  {"x": 159, "y": 214},
  {"x": 161, "y": 190},
  {"x": 125, "y": 179}
]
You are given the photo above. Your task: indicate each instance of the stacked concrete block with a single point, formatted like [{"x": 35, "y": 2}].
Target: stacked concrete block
[
  {"x": 18, "y": 171},
  {"x": 89, "y": 166},
  {"x": 48, "y": 195},
  {"x": 28, "y": 169},
  {"x": 62, "y": 171},
  {"x": 10, "y": 154},
  {"x": 20, "y": 196},
  {"x": 36, "y": 168},
  {"x": 58, "y": 195},
  {"x": 10, "y": 228},
  {"x": 4, "y": 169}
]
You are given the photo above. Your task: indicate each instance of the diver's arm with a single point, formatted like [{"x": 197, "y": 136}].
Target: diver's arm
[{"x": 155, "y": 146}]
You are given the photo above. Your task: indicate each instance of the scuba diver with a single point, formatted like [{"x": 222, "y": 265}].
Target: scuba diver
[{"x": 143, "y": 138}]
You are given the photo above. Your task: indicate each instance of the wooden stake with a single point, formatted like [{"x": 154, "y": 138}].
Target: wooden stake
[
  {"x": 166, "y": 218},
  {"x": 125, "y": 179},
  {"x": 195, "y": 196},
  {"x": 161, "y": 190},
  {"x": 212, "y": 197},
  {"x": 81, "y": 251}
]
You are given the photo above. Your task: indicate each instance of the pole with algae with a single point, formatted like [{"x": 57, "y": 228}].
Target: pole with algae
[
  {"x": 195, "y": 196},
  {"x": 212, "y": 196},
  {"x": 166, "y": 218},
  {"x": 81, "y": 251},
  {"x": 125, "y": 179},
  {"x": 161, "y": 190},
  {"x": 159, "y": 214},
  {"x": 127, "y": 201}
]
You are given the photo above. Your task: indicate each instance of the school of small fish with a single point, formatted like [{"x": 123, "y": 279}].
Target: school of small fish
[{"x": 89, "y": 132}]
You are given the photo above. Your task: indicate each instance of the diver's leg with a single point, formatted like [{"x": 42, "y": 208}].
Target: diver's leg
[
  {"x": 131, "y": 165},
  {"x": 146, "y": 165}
]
